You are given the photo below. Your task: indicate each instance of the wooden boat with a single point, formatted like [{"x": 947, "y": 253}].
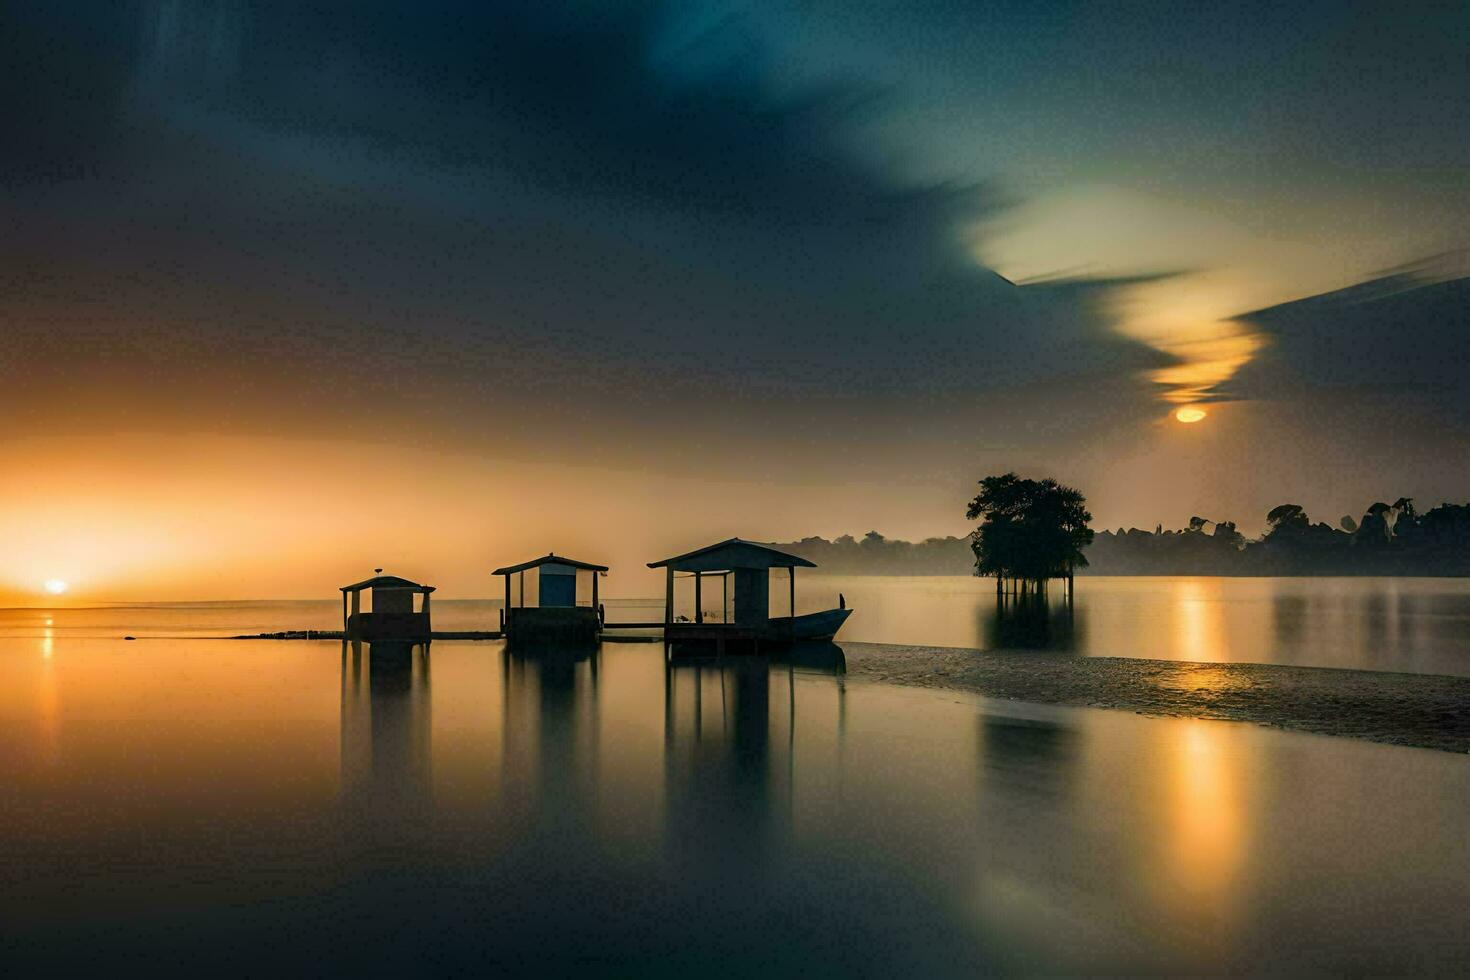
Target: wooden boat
[{"x": 813, "y": 626}]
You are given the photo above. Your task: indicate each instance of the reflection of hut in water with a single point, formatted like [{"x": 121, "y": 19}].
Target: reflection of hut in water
[
  {"x": 391, "y": 614},
  {"x": 730, "y": 744},
  {"x": 385, "y": 725},
  {"x": 1037, "y": 754},
  {"x": 552, "y": 614},
  {"x": 717, "y": 738},
  {"x": 550, "y": 737}
]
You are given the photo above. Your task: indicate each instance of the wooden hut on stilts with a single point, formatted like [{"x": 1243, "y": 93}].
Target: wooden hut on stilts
[
  {"x": 392, "y": 614},
  {"x": 552, "y": 614},
  {"x": 744, "y": 620}
]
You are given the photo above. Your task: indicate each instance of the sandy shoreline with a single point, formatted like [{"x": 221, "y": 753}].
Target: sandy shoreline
[{"x": 1428, "y": 711}]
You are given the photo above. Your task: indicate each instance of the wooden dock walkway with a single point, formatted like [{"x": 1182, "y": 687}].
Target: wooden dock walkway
[{"x": 339, "y": 635}]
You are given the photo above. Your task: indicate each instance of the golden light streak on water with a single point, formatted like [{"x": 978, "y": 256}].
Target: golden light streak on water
[
  {"x": 48, "y": 700},
  {"x": 1207, "y": 814},
  {"x": 1199, "y": 624}
]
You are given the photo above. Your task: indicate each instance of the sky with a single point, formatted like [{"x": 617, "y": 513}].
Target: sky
[{"x": 292, "y": 291}]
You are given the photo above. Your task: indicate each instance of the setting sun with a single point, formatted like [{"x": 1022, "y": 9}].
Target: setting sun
[
  {"x": 55, "y": 586},
  {"x": 1188, "y": 414}
]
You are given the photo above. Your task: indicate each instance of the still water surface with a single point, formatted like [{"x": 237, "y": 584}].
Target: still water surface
[
  {"x": 1400, "y": 624},
  {"x": 174, "y": 805},
  {"x": 1415, "y": 625}
]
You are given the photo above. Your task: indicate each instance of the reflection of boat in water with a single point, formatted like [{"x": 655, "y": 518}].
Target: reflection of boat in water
[
  {"x": 812, "y": 626},
  {"x": 813, "y": 657}
]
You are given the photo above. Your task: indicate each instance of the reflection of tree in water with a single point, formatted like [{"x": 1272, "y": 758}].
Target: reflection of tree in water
[
  {"x": 1388, "y": 618},
  {"x": 385, "y": 725},
  {"x": 1288, "y": 620},
  {"x": 1028, "y": 753},
  {"x": 1033, "y": 622}
]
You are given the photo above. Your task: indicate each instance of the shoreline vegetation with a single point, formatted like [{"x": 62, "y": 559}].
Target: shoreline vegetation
[
  {"x": 1389, "y": 540},
  {"x": 1428, "y": 711}
]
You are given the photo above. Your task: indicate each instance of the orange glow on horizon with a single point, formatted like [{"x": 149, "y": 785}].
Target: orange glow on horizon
[
  {"x": 142, "y": 517},
  {"x": 1190, "y": 415}
]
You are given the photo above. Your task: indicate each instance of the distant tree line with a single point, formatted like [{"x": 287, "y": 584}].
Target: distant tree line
[
  {"x": 873, "y": 554},
  {"x": 1389, "y": 539}
]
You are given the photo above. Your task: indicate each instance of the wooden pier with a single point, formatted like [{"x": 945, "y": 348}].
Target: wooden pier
[{"x": 340, "y": 635}]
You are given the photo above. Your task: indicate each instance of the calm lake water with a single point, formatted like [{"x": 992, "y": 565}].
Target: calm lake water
[
  {"x": 180, "y": 805},
  {"x": 1412, "y": 625},
  {"x": 1416, "y": 625}
]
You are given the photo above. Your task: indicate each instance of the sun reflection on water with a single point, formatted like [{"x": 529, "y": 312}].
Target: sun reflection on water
[
  {"x": 1199, "y": 624},
  {"x": 48, "y": 700},
  {"x": 1207, "y": 832},
  {"x": 1203, "y": 850}
]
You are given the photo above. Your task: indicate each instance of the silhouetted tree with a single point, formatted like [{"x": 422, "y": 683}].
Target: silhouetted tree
[
  {"x": 1444, "y": 533},
  {"x": 1373, "y": 528},
  {"x": 1225, "y": 532},
  {"x": 1348, "y": 524},
  {"x": 1286, "y": 519},
  {"x": 1030, "y": 530}
]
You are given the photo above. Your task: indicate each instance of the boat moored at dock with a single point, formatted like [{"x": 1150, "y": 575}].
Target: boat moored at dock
[{"x": 744, "y": 619}]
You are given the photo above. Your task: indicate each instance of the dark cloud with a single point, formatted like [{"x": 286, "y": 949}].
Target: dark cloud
[
  {"x": 275, "y": 211},
  {"x": 1402, "y": 339}
]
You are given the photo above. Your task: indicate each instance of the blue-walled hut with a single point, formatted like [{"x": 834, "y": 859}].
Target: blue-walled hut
[{"x": 551, "y": 613}]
